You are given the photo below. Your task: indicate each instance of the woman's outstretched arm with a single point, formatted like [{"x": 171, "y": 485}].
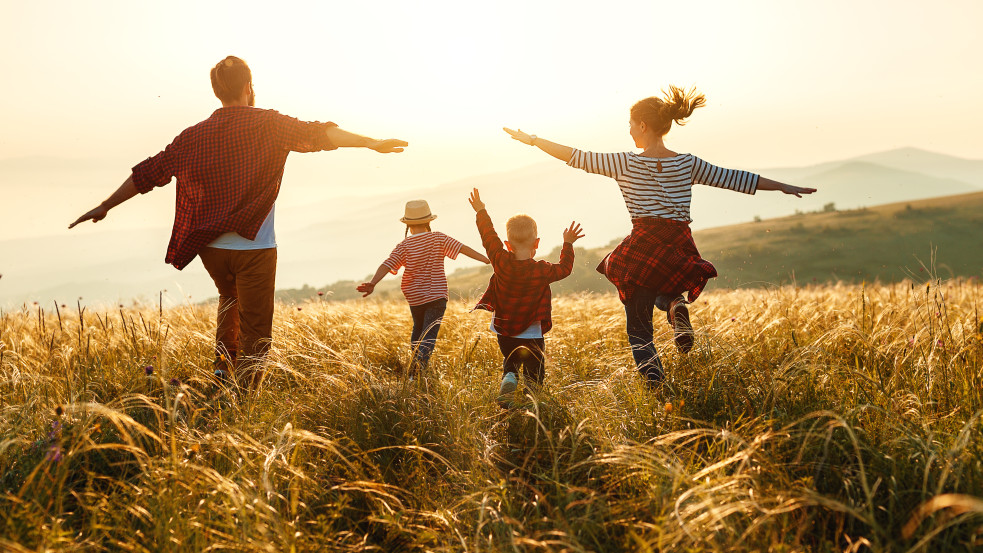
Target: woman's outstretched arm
[
  {"x": 797, "y": 191},
  {"x": 559, "y": 151}
]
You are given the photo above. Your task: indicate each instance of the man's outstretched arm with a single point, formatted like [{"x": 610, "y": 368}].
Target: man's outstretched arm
[
  {"x": 344, "y": 139},
  {"x": 126, "y": 191}
]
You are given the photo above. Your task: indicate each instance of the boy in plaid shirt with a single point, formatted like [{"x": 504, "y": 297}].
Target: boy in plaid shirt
[{"x": 519, "y": 293}]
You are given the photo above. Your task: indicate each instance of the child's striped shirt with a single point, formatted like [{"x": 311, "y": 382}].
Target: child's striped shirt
[
  {"x": 661, "y": 187},
  {"x": 423, "y": 256}
]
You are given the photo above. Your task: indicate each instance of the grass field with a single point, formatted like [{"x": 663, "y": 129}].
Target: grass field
[{"x": 818, "y": 418}]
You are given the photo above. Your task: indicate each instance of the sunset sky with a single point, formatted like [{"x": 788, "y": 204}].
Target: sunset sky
[
  {"x": 788, "y": 83},
  {"x": 105, "y": 84}
]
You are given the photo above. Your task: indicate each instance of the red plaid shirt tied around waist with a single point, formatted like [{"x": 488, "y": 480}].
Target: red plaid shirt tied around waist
[
  {"x": 519, "y": 291},
  {"x": 658, "y": 254},
  {"x": 228, "y": 170}
]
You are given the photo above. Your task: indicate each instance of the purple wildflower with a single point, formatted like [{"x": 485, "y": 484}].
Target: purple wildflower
[
  {"x": 175, "y": 382},
  {"x": 148, "y": 370},
  {"x": 54, "y": 454}
]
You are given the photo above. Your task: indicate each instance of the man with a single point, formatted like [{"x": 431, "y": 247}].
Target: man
[{"x": 228, "y": 170}]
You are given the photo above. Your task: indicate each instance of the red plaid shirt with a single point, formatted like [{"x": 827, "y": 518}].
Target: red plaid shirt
[
  {"x": 658, "y": 254},
  {"x": 228, "y": 170},
  {"x": 519, "y": 291}
]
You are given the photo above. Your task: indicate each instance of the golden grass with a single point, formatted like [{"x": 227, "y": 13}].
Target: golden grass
[{"x": 824, "y": 418}]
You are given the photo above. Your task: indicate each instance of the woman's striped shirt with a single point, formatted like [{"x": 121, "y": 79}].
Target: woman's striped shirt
[
  {"x": 661, "y": 187},
  {"x": 423, "y": 256}
]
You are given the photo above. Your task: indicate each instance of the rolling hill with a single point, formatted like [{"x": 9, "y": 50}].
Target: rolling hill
[{"x": 940, "y": 237}]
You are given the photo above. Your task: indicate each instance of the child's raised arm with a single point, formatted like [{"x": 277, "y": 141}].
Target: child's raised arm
[
  {"x": 475, "y": 200},
  {"x": 573, "y": 233},
  {"x": 474, "y": 255},
  {"x": 369, "y": 287}
]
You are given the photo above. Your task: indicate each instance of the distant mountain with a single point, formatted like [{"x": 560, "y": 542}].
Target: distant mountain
[
  {"x": 913, "y": 160},
  {"x": 930, "y": 163},
  {"x": 858, "y": 183}
]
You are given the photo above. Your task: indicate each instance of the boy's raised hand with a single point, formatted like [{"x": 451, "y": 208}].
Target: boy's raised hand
[
  {"x": 573, "y": 233},
  {"x": 475, "y": 200}
]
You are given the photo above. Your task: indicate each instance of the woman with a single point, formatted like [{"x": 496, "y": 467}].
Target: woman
[{"x": 658, "y": 261}]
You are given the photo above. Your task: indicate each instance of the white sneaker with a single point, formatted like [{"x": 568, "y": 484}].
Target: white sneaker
[{"x": 505, "y": 392}]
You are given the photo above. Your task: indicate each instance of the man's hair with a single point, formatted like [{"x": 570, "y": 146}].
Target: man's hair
[
  {"x": 229, "y": 76},
  {"x": 521, "y": 229}
]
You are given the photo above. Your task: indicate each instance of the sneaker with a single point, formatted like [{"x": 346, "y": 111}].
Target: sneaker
[
  {"x": 222, "y": 377},
  {"x": 506, "y": 391},
  {"x": 682, "y": 329}
]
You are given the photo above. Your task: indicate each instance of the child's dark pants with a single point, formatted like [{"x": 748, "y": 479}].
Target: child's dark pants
[
  {"x": 426, "y": 326},
  {"x": 639, "y": 308},
  {"x": 527, "y": 354}
]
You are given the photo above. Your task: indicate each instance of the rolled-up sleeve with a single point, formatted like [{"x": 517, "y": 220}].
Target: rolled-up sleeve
[
  {"x": 157, "y": 170},
  {"x": 302, "y": 136}
]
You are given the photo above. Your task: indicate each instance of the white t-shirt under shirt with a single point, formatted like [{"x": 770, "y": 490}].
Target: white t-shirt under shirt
[
  {"x": 265, "y": 238},
  {"x": 535, "y": 330},
  {"x": 423, "y": 256}
]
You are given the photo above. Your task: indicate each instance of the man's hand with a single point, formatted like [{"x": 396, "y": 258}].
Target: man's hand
[
  {"x": 475, "y": 200},
  {"x": 573, "y": 233},
  {"x": 366, "y": 287},
  {"x": 796, "y": 191},
  {"x": 389, "y": 146},
  {"x": 95, "y": 215}
]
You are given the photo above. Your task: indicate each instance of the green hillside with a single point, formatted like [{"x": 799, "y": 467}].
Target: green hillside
[{"x": 940, "y": 236}]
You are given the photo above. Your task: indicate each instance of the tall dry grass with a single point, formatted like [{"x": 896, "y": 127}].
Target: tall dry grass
[{"x": 824, "y": 418}]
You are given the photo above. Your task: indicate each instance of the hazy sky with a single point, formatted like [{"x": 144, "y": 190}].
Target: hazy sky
[
  {"x": 788, "y": 83},
  {"x": 104, "y": 84}
]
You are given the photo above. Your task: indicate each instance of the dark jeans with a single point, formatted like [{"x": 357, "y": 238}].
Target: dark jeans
[
  {"x": 426, "y": 326},
  {"x": 527, "y": 354},
  {"x": 639, "y": 309}
]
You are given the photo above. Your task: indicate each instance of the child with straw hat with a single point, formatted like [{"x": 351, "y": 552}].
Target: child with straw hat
[{"x": 424, "y": 284}]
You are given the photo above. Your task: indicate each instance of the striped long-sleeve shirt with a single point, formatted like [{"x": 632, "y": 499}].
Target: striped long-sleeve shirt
[
  {"x": 661, "y": 187},
  {"x": 423, "y": 256}
]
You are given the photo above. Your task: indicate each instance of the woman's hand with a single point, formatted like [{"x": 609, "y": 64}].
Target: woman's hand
[
  {"x": 525, "y": 138},
  {"x": 796, "y": 191},
  {"x": 769, "y": 184}
]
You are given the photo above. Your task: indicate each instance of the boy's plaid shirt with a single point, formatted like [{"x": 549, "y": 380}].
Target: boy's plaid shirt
[
  {"x": 519, "y": 291},
  {"x": 228, "y": 170}
]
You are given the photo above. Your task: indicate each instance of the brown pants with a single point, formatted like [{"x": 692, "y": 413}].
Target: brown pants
[{"x": 246, "y": 280}]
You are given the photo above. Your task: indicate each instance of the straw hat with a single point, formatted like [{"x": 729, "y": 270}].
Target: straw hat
[{"x": 418, "y": 213}]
